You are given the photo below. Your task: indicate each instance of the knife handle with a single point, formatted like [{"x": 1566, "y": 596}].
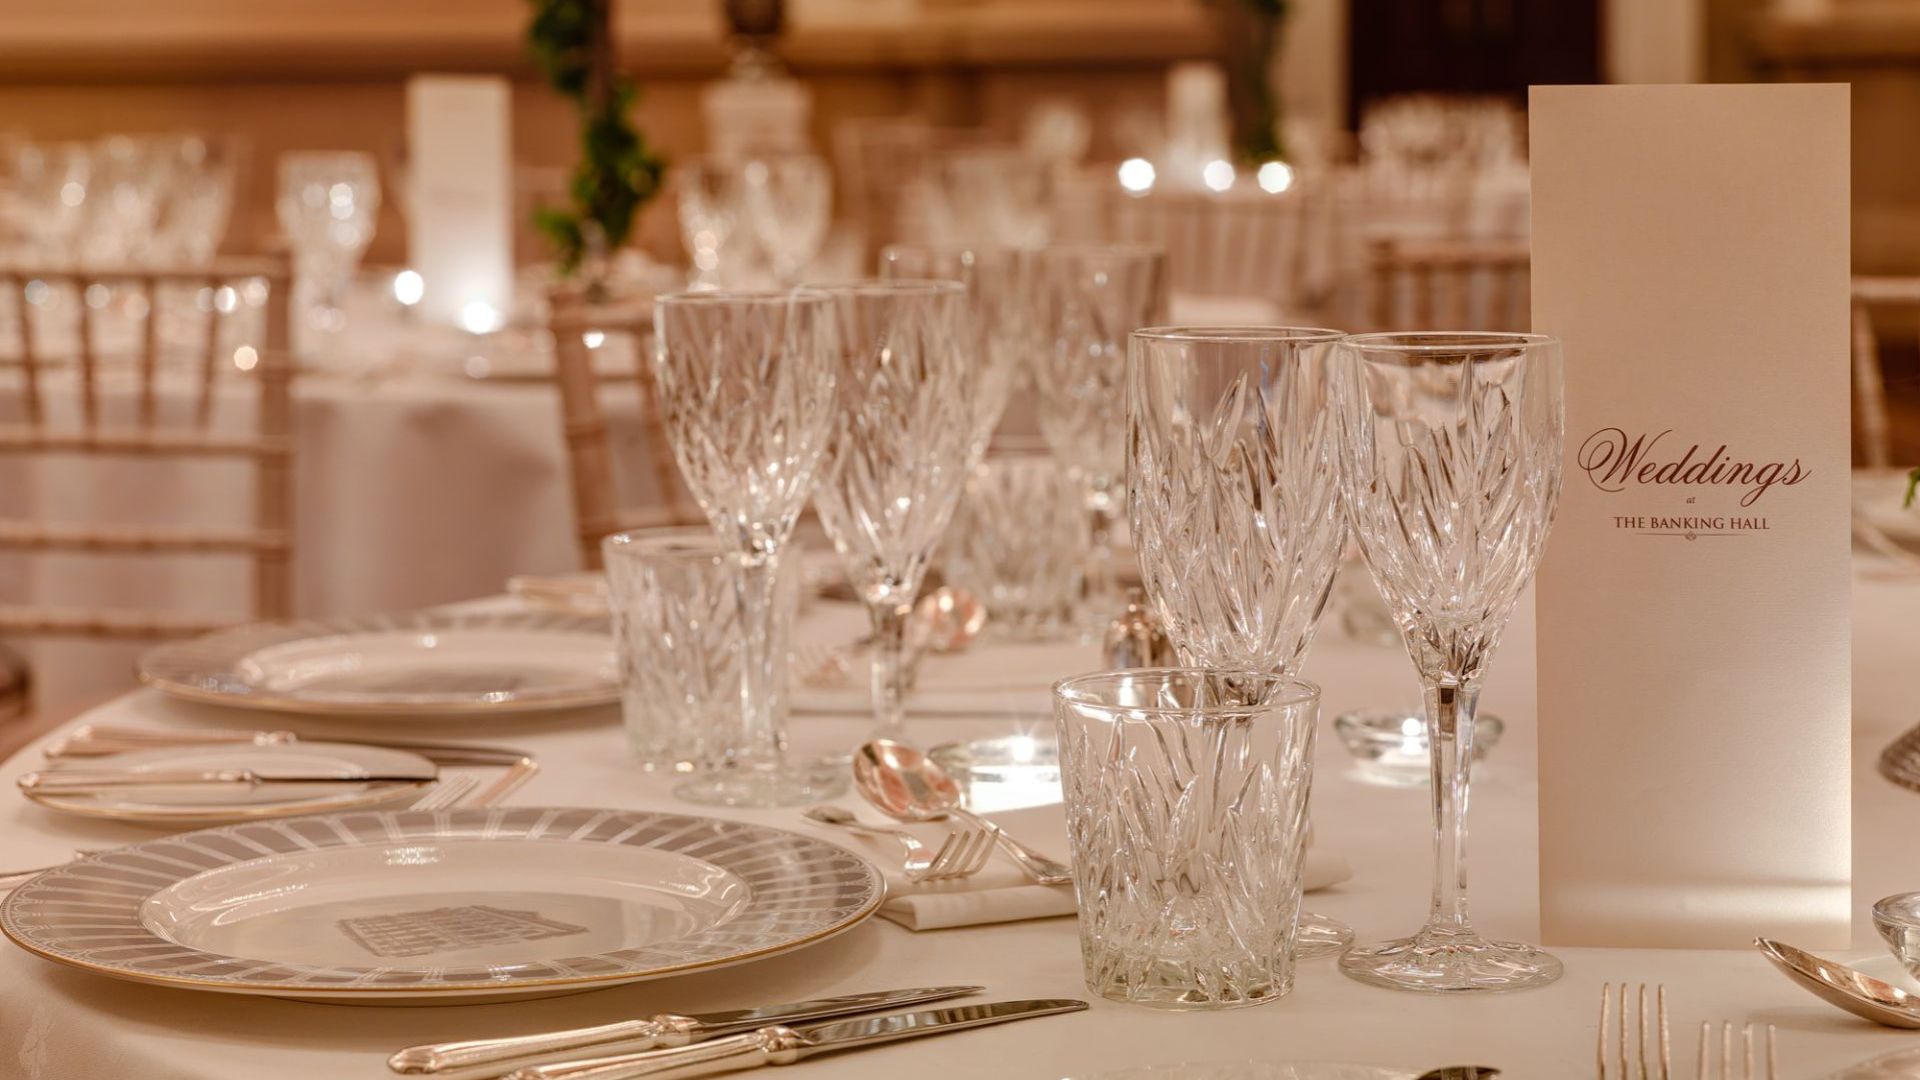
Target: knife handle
[
  {"x": 775, "y": 1045},
  {"x": 453, "y": 1060},
  {"x": 85, "y": 780}
]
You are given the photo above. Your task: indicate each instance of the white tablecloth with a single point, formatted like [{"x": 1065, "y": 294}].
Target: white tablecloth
[
  {"x": 409, "y": 491},
  {"x": 59, "y": 1023}
]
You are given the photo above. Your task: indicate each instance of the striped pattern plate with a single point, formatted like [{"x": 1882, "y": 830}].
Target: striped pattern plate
[{"x": 417, "y": 907}]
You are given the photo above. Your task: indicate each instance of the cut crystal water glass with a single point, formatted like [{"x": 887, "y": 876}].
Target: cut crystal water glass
[
  {"x": 675, "y": 600},
  {"x": 1234, "y": 496},
  {"x": 328, "y": 204},
  {"x": 1450, "y": 450},
  {"x": 1017, "y": 542},
  {"x": 746, "y": 392},
  {"x": 1186, "y": 794},
  {"x": 903, "y": 443}
]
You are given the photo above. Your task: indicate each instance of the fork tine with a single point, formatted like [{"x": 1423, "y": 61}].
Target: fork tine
[
  {"x": 1746, "y": 1057},
  {"x": 1623, "y": 1032},
  {"x": 1666, "y": 1042},
  {"x": 1642, "y": 1015},
  {"x": 1773, "y": 1057},
  {"x": 1726, "y": 1050},
  {"x": 1700, "y": 1062},
  {"x": 1600, "y": 1036},
  {"x": 984, "y": 851},
  {"x": 943, "y": 859}
]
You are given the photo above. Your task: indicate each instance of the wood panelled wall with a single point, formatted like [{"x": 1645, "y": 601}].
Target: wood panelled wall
[{"x": 329, "y": 74}]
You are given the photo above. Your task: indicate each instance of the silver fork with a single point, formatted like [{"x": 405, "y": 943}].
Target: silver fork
[
  {"x": 962, "y": 854},
  {"x": 1749, "y": 1064},
  {"x": 1629, "y": 1059}
]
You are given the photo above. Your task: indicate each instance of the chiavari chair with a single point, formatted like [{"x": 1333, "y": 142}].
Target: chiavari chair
[
  {"x": 1448, "y": 285},
  {"x": 1869, "y": 378},
  {"x": 580, "y": 326},
  {"x": 46, "y": 367}
]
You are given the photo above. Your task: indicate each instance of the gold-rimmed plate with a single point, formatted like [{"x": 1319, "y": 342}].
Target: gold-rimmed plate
[
  {"x": 186, "y": 806},
  {"x": 413, "y": 664},
  {"x": 413, "y": 907}
]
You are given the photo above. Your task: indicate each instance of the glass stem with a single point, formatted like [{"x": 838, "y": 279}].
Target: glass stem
[
  {"x": 763, "y": 736},
  {"x": 889, "y": 668},
  {"x": 1102, "y": 598},
  {"x": 1450, "y": 712}
]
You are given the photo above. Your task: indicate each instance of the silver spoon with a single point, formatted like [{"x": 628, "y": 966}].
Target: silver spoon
[
  {"x": 906, "y": 785},
  {"x": 1837, "y": 984}
]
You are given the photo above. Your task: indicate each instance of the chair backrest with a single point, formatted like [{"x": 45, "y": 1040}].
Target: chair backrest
[
  {"x": 580, "y": 327},
  {"x": 1243, "y": 243},
  {"x": 1869, "y": 379},
  {"x": 1447, "y": 285},
  {"x": 55, "y": 352}
]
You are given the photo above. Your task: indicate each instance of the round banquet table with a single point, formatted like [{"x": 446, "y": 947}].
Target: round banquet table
[{"x": 62, "y": 1023}]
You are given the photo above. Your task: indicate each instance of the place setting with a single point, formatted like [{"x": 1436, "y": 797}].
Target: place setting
[{"x": 1267, "y": 569}]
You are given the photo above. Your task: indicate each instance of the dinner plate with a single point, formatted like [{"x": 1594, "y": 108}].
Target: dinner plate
[
  {"x": 204, "y": 805},
  {"x": 428, "y": 663},
  {"x": 410, "y": 907}
]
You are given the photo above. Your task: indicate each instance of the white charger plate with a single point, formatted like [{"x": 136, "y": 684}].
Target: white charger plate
[
  {"x": 429, "y": 663},
  {"x": 203, "y": 805},
  {"x": 445, "y": 907}
]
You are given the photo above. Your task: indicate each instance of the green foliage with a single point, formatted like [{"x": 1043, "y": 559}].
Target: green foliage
[
  {"x": 1913, "y": 485},
  {"x": 618, "y": 172}
]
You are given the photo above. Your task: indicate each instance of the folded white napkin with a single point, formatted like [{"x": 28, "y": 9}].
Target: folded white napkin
[{"x": 1001, "y": 892}]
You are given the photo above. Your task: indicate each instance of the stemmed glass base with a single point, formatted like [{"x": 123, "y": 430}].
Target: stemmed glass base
[
  {"x": 1443, "y": 960},
  {"x": 790, "y": 783},
  {"x": 1317, "y": 935}
]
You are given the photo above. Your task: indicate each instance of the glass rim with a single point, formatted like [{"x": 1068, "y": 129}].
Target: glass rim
[
  {"x": 1074, "y": 690},
  {"x": 1419, "y": 342},
  {"x": 884, "y": 287},
  {"x": 699, "y": 297},
  {"x": 1244, "y": 332},
  {"x": 948, "y": 247},
  {"x": 686, "y": 542}
]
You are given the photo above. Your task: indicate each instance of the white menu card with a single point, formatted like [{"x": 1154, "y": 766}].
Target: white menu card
[
  {"x": 1690, "y": 248},
  {"x": 460, "y": 204}
]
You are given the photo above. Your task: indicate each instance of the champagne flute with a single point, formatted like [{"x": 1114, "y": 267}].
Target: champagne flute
[
  {"x": 1450, "y": 450},
  {"x": 746, "y": 389},
  {"x": 903, "y": 443},
  {"x": 1234, "y": 496}
]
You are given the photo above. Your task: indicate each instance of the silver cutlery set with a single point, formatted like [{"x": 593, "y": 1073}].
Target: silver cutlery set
[{"x": 682, "y": 1046}]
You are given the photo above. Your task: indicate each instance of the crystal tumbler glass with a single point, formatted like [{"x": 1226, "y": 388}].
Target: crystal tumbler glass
[
  {"x": 1186, "y": 796},
  {"x": 675, "y": 598},
  {"x": 1017, "y": 542}
]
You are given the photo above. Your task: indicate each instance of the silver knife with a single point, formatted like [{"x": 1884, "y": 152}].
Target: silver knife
[
  {"x": 491, "y": 1057},
  {"x": 98, "y": 740},
  {"x": 82, "y": 781},
  {"x": 782, "y": 1045}
]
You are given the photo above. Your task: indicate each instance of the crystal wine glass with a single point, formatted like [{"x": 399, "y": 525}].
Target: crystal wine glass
[
  {"x": 789, "y": 201},
  {"x": 328, "y": 204},
  {"x": 1000, "y": 290},
  {"x": 709, "y": 209},
  {"x": 1450, "y": 457},
  {"x": 1234, "y": 496},
  {"x": 1091, "y": 298},
  {"x": 746, "y": 390},
  {"x": 903, "y": 443}
]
